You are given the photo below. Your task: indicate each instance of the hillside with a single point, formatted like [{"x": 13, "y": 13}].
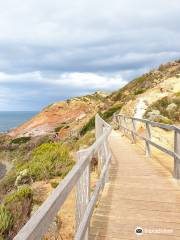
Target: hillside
[
  {"x": 68, "y": 117},
  {"x": 65, "y": 118},
  {"x": 41, "y": 152},
  {"x": 157, "y": 90}
]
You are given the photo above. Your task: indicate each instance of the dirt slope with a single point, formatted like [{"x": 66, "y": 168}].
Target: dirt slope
[{"x": 68, "y": 116}]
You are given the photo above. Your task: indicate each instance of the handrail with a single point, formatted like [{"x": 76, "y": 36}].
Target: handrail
[
  {"x": 78, "y": 177},
  {"x": 122, "y": 123}
]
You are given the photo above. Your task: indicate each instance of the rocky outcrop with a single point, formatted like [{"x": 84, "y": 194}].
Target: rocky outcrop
[{"x": 72, "y": 113}]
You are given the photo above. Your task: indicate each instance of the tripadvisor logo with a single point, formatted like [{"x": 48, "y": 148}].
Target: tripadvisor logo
[{"x": 139, "y": 231}]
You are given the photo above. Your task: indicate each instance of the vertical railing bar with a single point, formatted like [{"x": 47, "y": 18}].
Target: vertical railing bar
[
  {"x": 133, "y": 129},
  {"x": 177, "y": 151},
  {"x": 82, "y": 194},
  {"x": 148, "y": 136}
]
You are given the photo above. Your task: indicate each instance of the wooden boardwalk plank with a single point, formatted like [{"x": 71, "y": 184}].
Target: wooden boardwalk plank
[{"x": 141, "y": 192}]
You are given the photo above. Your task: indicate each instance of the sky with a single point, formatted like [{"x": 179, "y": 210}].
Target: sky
[{"x": 54, "y": 50}]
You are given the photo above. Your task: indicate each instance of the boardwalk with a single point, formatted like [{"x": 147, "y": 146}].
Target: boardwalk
[{"x": 141, "y": 192}]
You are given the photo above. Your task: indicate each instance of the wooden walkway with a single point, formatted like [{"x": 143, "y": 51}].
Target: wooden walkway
[{"x": 141, "y": 192}]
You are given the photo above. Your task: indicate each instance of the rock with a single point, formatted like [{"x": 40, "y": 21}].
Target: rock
[
  {"x": 81, "y": 116},
  {"x": 22, "y": 178},
  {"x": 153, "y": 113},
  {"x": 171, "y": 107}
]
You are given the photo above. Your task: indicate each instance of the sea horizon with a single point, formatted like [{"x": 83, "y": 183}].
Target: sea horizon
[{"x": 12, "y": 119}]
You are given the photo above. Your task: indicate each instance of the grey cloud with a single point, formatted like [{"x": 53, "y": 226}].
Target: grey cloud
[{"x": 107, "y": 38}]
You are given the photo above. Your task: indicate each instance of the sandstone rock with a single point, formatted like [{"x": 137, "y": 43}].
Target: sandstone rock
[
  {"x": 153, "y": 113},
  {"x": 81, "y": 116},
  {"x": 171, "y": 107},
  {"x": 22, "y": 178}
]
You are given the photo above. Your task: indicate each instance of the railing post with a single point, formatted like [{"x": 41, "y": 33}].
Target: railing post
[
  {"x": 177, "y": 151},
  {"x": 98, "y": 126},
  {"x": 119, "y": 121},
  {"x": 82, "y": 193},
  {"x": 125, "y": 125},
  {"x": 99, "y": 133},
  {"x": 148, "y": 136},
  {"x": 134, "y": 129},
  {"x": 106, "y": 154}
]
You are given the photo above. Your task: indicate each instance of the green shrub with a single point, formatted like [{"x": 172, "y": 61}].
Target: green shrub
[
  {"x": 178, "y": 94},
  {"x": 54, "y": 184},
  {"x": 62, "y": 126},
  {"x": 19, "y": 204},
  {"x": 105, "y": 115},
  {"x": 162, "y": 104},
  {"x": 23, "y": 192},
  {"x": 109, "y": 113},
  {"x": 87, "y": 140},
  {"x": 48, "y": 160},
  {"x": 88, "y": 126},
  {"x": 139, "y": 91},
  {"x": 165, "y": 120},
  {"x": 21, "y": 140},
  {"x": 6, "y": 221},
  {"x": 7, "y": 183},
  {"x": 57, "y": 129}
]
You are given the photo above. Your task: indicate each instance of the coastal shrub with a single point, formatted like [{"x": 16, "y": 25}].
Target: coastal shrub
[
  {"x": 162, "y": 105},
  {"x": 177, "y": 95},
  {"x": 48, "y": 160},
  {"x": 165, "y": 120},
  {"x": 109, "y": 113},
  {"x": 88, "y": 126},
  {"x": 85, "y": 140},
  {"x": 23, "y": 192},
  {"x": 105, "y": 115},
  {"x": 54, "y": 184},
  {"x": 19, "y": 204},
  {"x": 139, "y": 91},
  {"x": 7, "y": 183},
  {"x": 6, "y": 221},
  {"x": 21, "y": 140},
  {"x": 57, "y": 129}
]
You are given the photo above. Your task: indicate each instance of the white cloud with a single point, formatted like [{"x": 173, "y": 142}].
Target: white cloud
[
  {"x": 64, "y": 47},
  {"x": 79, "y": 80}
]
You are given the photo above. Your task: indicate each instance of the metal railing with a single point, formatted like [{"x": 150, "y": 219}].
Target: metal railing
[
  {"x": 123, "y": 124},
  {"x": 78, "y": 177}
]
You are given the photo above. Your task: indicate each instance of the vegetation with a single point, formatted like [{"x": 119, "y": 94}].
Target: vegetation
[
  {"x": 139, "y": 91},
  {"x": 6, "y": 221},
  {"x": 21, "y": 140},
  {"x": 109, "y": 113},
  {"x": 15, "y": 211},
  {"x": 23, "y": 192},
  {"x": 105, "y": 115},
  {"x": 7, "y": 183},
  {"x": 88, "y": 126},
  {"x": 54, "y": 184},
  {"x": 48, "y": 160},
  {"x": 164, "y": 107},
  {"x": 140, "y": 84},
  {"x": 62, "y": 126},
  {"x": 86, "y": 140}
]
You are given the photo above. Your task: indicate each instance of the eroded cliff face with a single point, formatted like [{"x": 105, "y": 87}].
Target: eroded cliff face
[{"x": 62, "y": 117}]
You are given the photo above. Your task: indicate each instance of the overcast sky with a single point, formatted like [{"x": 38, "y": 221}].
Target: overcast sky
[{"x": 51, "y": 50}]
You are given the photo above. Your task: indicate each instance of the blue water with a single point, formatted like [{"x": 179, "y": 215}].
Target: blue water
[{"x": 12, "y": 119}]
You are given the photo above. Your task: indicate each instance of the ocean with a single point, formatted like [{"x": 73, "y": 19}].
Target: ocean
[{"x": 12, "y": 119}]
